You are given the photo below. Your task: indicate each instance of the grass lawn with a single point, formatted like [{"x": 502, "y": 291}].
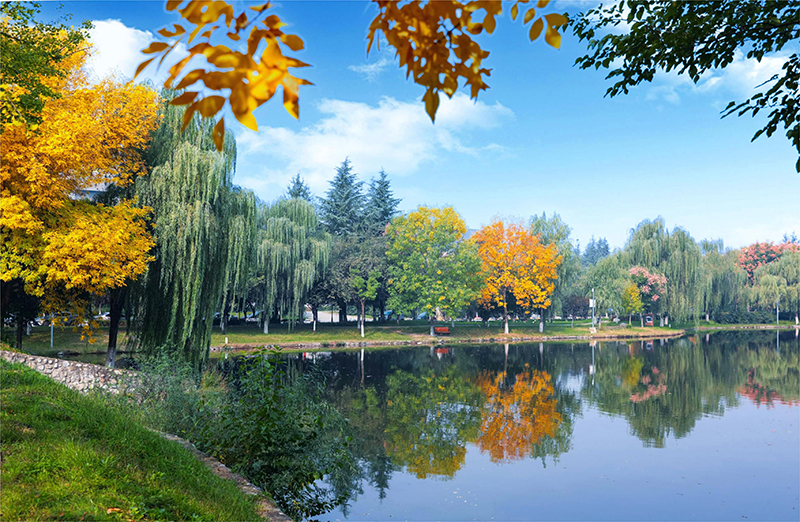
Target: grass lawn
[{"x": 66, "y": 456}]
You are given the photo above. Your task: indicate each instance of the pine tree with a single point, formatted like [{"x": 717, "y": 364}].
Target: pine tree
[
  {"x": 381, "y": 205},
  {"x": 342, "y": 210},
  {"x": 298, "y": 189},
  {"x": 595, "y": 251}
]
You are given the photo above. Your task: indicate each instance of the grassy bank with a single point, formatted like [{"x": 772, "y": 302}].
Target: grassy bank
[{"x": 66, "y": 456}]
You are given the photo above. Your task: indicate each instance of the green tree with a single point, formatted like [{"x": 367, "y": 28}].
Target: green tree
[
  {"x": 292, "y": 251},
  {"x": 595, "y": 251},
  {"x": 341, "y": 211},
  {"x": 32, "y": 52},
  {"x": 677, "y": 256},
  {"x": 693, "y": 38},
  {"x": 724, "y": 281},
  {"x": 555, "y": 231},
  {"x": 632, "y": 301},
  {"x": 430, "y": 267},
  {"x": 609, "y": 279},
  {"x": 299, "y": 189},
  {"x": 779, "y": 282},
  {"x": 381, "y": 206},
  {"x": 365, "y": 289},
  {"x": 195, "y": 208}
]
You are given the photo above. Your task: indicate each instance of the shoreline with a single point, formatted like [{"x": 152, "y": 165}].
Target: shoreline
[{"x": 427, "y": 340}]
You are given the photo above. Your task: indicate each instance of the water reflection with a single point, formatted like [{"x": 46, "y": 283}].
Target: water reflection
[{"x": 420, "y": 412}]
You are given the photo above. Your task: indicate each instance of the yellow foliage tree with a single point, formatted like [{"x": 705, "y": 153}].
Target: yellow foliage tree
[
  {"x": 515, "y": 262},
  {"x": 432, "y": 39},
  {"x": 56, "y": 244},
  {"x": 516, "y": 417}
]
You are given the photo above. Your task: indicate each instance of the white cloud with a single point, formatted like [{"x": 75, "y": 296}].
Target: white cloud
[
  {"x": 739, "y": 80},
  {"x": 371, "y": 71},
  {"x": 394, "y": 135},
  {"x": 118, "y": 51}
]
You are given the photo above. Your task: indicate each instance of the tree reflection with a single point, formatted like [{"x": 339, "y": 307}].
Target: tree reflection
[
  {"x": 431, "y": 419},
  {"x": 516, "y": 417}
]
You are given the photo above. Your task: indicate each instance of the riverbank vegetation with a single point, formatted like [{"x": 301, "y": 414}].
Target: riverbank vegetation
[{"x": 71, "y": 457}]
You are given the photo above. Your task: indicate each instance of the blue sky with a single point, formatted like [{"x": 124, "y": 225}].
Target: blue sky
[{"x": 542, "y": 139}]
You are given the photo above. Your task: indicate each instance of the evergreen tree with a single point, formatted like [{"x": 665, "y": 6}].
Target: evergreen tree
[
  {"x": 342, "y": 210},
  {"x": 595, "y": 251},
  {"x": 381, "y": 205},
  {"x": 298, "y": 189}
]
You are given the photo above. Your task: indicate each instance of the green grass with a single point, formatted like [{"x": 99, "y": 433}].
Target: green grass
[
  {"x": 65, "y": 339},
  {"x": 66, "y": 456}
]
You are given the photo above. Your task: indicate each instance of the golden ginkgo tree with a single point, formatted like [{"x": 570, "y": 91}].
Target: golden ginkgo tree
[
  {"x": 246, "y": 58},
  {"x": 56, "y": 245},
  {"x": 515, "y": 262}
]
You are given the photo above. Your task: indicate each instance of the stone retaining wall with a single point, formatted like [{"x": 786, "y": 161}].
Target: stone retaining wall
[{"x": 77, "y": 375}]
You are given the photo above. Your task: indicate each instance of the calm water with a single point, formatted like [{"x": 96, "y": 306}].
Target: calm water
[{"x": 698, "y": 428}]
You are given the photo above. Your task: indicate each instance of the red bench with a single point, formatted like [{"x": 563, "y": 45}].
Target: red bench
[{"x": 441, "y": 330}]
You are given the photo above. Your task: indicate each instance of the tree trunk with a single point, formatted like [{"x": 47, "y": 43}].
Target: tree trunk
[
  {"x": 541, "y": 320},
  {"x": 707, "y": 319},
  {"x": 363, "y": 318},
  {"x": 641, "y": 319},
  {"x": 383, "y": 310},
  {"x": 21, "y": 329},
  {"x": 505, "y": 317},
  {"x": 342, "y": 312},
  {"x": 630, "y": 318},
  {"x": 266, "y": 321},
  {"x": 117, "y": 299},
  {"x": 431, "y": 320}
]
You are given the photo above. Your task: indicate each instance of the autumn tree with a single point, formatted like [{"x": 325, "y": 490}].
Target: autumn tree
[
  {"x": 33, "y": 65},
  {"x": 432, "y": 39},
  {"x": 515, "y": 417},
  {"x": 56, "y": 243},
  {"x": 430, "y": 266},
  {"x": 515, "y": 262},
  {"x": 632, "y": 301}
]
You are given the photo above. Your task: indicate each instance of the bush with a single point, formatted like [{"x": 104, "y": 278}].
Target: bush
[
  {"x": 278, "y": 432},
  {"x": 744, "y": 317}
]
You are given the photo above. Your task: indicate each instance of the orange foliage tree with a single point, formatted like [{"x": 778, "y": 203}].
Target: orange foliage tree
[
  {"x": 515, "y": 262},
  {"x": 516, "y": 417},
  {"x": 432, "y": 39},
  {"x": 55, "y": 244}
]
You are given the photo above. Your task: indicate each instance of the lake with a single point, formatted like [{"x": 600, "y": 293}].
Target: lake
[{"x": 705, "y": 427}]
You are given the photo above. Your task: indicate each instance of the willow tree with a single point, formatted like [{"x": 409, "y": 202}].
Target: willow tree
[
  {"x": 674, "y": 254},
  {"x": 291, "y": 251},
  {"x": 197, "y": 213},
  {"x": 556, "y": 232},
  {"x": 723, "y": 281},
  {"x": 779, "y": 282}
]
